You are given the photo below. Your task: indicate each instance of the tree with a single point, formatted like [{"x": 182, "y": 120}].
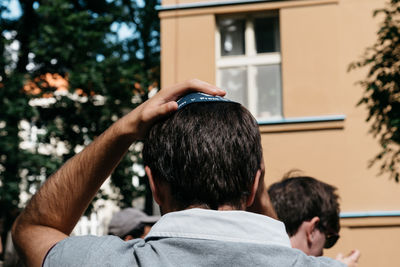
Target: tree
[
  {"x": 14, "y": 108},
  {"x": 102, "y": 76},
  {"x": 382, "y": 89}
]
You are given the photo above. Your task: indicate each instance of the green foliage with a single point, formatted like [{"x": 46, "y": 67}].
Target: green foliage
[
  {"x": 382, "y": 88},
  {"x": 106, "y": 76}
]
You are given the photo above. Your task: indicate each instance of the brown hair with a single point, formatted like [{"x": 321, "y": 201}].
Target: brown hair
[
  {"x": 208, "y": 153},
  {"x": 301, "y": 198}
]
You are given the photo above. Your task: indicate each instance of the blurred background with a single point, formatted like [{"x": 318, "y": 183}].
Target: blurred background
[{"x": 322, "y": 78}]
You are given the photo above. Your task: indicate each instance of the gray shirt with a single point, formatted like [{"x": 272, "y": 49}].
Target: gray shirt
[{"x": 195, "y": 237}]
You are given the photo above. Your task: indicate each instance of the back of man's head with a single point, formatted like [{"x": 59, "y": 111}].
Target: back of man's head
[
  {"x": 208, "y": 153},
  {"x": 299, "y": 199}
]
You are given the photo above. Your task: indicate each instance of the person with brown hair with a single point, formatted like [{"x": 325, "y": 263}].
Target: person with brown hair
[{"x": 310, "y": 211}]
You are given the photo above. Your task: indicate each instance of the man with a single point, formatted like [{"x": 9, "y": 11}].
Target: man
[
  {"x": 131, "y": 223},
  {"x": 204, "y": 164},
  {"x": 310, "y": 211}
]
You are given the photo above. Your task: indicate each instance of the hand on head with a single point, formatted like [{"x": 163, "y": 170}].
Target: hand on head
[{"x": 163, "y": 103}]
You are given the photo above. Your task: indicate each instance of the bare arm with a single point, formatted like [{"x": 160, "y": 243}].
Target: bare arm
[{"x": 53, "y": 212}]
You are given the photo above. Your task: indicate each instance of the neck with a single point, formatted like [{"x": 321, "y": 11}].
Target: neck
[
  {"x": 221, "y": 207},
  {"x": 165, "y": 210},
  {"x": 229, "y": 207},
  {"x": 299, "y": 241}
]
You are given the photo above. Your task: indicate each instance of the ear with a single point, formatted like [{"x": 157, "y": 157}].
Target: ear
[
  {"x": 254, "y": 188},
  {"x": 153, "y": 186},
  {"x": 311, "y": 228}
]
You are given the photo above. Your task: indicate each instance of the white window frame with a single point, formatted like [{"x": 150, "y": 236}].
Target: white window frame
[{"x": 250, "y": 60}]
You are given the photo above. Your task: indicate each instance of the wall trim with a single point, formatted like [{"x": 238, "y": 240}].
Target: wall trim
[
  {"x": 368, "y": 214},
  {"x": 211, "y": 4},
  {"x": 223, "y": 3},
  {"x": 231, "y": 7},
  {"x": 309, "y": 119}
]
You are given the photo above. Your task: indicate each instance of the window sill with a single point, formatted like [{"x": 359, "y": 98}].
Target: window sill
[
  {"x": 298, "y": 124},
  {"x": 365, "y": 219}
]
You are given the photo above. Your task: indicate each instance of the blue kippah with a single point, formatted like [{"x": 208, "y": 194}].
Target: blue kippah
[{"x": 199, "y": 97}]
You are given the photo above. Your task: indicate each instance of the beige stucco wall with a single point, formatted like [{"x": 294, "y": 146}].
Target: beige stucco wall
[
  {"x": 377, "y": 239},
  {"x": 318, "y": 43},
  {"x": 186, "y": 50},
  {"x": 319, "y": 39}
]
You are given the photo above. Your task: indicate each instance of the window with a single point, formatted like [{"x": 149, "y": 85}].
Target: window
[{"x": 249, "y": 62}]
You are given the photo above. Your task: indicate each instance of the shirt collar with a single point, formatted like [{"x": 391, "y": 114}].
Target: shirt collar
[{"x": 234, "y": 226}]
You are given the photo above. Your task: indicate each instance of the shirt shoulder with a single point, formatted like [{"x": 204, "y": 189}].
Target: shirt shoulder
[
  {"x": 304, "y": 260},
  {"x": 93, "y": 251}
]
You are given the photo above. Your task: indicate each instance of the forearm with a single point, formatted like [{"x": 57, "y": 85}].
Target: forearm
[{"x": 63, "y": 198}]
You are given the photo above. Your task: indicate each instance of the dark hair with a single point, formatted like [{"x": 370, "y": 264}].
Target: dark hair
[
  {"x": 299, "y": 199},
  {"x": 208, "y": 153}
]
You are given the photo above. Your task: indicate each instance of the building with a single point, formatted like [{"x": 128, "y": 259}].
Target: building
[{"x": 287, "y": 62}]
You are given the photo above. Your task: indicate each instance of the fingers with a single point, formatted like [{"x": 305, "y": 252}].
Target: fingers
[
  {"x": 163, "y": 103},
  {"x": 174, "y": 92},
  {"x": 165, "y": 109},
  {"x": 339, "y": 257},
  {"x": 355, "y": 255},
  {"x": 351, "y": 260},
  {"x": 156, "y": 112}
]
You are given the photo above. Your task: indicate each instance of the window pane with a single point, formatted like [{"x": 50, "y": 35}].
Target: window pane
[
  {"x": 232, "y": 36},
  {"x": 269, "y": 103},
  {"x": 234, "y": 81},
  {"x": 267, "y": 34}
]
